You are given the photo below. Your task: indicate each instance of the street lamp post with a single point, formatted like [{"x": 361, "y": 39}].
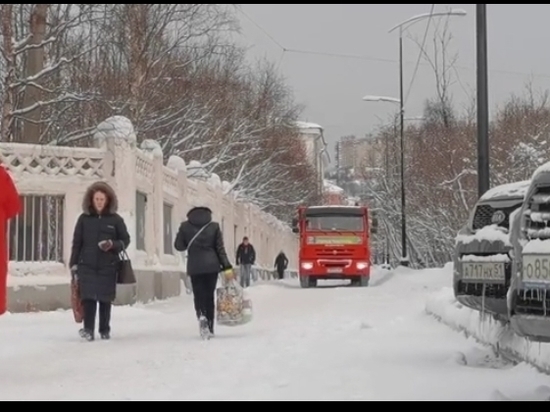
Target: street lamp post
[
  {"x": 482, "y": 101},
  {"x": 457, "y": 12},
  {"x": 387, "y": 99}
]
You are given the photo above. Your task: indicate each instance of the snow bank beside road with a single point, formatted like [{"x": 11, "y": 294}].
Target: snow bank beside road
[{"x": 443, "y": 306}]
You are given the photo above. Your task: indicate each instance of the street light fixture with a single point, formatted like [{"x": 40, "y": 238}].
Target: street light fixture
[
  {"x": 402, "y": 26},
  {"x": 381, "y": 99}
]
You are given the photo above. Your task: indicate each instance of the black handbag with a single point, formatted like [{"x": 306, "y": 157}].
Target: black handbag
[{"x": 125, "y": 274}]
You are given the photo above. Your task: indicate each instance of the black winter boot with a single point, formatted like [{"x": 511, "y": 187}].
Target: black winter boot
[{"x": 86, "y": 334}]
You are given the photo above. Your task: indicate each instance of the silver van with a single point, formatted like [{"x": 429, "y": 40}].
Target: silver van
[
  {"x": 482, "y": 260},
  {"x": 529, "y": 295}
]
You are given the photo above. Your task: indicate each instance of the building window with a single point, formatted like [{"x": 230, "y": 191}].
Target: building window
[
  {"x": 141, "y": 211},
  {"x": 36, "y": 234},
  {"x": 167, "y": 232}
]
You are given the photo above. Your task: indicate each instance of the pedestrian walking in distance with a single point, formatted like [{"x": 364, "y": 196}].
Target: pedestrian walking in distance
[
  {"x": 99, "y": 236},
  {"x": 245, "y": 257},
  {"x": 281, "y": 263},
  {"x": 206, "y": 257}
]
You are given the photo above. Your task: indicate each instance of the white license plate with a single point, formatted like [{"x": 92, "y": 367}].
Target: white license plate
[
  {"x": 334, "y": 270},
  {"x": 536, "y": 268},
  {"x": 483, "y": 271}
]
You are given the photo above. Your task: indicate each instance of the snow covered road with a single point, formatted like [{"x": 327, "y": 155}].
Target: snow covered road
[{"x": 327, "y": 343}]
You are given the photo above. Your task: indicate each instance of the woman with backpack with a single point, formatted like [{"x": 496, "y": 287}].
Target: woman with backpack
[{"x": 206, "y": 257}]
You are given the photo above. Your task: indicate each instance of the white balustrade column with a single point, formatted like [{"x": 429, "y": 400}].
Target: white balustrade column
[{"x": 117, "y": 136}]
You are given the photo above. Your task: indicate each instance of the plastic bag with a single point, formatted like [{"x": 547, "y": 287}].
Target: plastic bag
[{"x": 233, "y": 306}]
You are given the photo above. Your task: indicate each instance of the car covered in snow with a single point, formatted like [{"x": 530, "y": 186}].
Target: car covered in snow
[
  {"x": 482, "y": 258},
  {"x": 528, "y": 298}
]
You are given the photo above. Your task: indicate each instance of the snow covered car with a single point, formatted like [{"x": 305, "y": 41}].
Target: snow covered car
[
  {"x": 482, "y": 261},
  {"x": 528, "y": 298}
]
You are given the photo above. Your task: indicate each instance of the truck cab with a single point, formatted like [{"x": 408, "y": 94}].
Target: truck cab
[
  {"x": 529, "y": 297},
  {"x": 483, "y": 251},
  {"x": 334, "y": 244}
]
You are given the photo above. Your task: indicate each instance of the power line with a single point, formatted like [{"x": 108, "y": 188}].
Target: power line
[
  {"x": 372, "y": 58},
  {"x": 339, "y": 55},
  {"x": 259, "y": 27},
  {"x": 384, "y": 60},
  {"x": 419, "y": 54}
]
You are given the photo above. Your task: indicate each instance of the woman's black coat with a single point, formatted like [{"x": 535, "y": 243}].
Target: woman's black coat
[
  {"x": 97, "y": 269},
  {"x": 207, "y": 254}
]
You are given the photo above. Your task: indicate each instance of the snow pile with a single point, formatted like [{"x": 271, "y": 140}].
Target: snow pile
[
  {"x": 515, "y": 189},
  {"x": 37, "y": 274},
  {"x": 330, "y": 187},
  {"x": 307, "y": 125},
  {"x": 215, "y": 181},
  {"x": 195, "y": 170},
  {"x": 119, "y": 127},
  {"x": 545, "y": 168},
  {"x": 443, "y": 306},
  {"x": 176, "y": 163},
  {"x": 492, "y": 233},
  {"x": 497, "y": 258},
  {"x": 151, "y": 147},
  {"x": 537, "y": 246}
]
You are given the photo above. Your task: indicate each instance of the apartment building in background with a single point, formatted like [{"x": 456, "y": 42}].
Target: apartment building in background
[
  {"x": 313, "y": 138},
  {"x": 351, "y": 152}
]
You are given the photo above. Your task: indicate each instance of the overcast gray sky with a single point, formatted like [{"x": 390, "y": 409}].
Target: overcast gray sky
[{"x": 331, "y": 87}]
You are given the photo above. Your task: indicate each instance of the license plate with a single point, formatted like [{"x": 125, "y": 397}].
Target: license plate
[
  {"x": 483, "y": 271},
  {"x": 334, "y": 270},
  {"x": 536, "y": 268}
]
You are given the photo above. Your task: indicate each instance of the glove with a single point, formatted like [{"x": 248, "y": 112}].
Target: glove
[
  {"x": 73, "y": 270},
  {"x": 105, "y": 245},
  {"x": 229, "y": 274}
]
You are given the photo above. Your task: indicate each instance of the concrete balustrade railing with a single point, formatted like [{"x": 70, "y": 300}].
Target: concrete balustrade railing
[{"x": 153, "y": 199}]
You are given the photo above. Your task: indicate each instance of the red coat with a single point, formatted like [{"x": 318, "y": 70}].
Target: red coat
[{"x": 10, "y": 206}]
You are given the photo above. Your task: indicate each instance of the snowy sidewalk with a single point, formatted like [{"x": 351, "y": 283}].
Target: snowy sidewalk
[{"x": 325, "y": 343}]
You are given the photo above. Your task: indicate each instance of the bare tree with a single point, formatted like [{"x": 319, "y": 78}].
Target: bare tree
[
  {"x": 174, "y": 71},
  {"x": 34, "y": 57},
  {"x": 442, "y": 62}
]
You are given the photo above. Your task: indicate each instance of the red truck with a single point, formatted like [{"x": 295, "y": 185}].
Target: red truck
[{"x": 334, "y": 244}]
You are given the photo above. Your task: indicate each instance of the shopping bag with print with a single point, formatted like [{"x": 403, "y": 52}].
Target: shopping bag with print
[{"x": 231, "y": 308}]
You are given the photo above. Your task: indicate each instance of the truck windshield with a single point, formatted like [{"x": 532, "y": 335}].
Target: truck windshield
[{"x": 342, "y": 223}]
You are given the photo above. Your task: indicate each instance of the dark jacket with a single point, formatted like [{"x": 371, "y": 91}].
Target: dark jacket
[
  {"x": 97, "y": 269},
  {"x": 281, "y": 262},
  {"x": 207, "y": 253},
  {"x": 246, "y": 255}
]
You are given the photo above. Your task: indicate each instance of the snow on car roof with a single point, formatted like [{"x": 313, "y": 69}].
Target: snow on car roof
[{"x": 516, "y": 189}]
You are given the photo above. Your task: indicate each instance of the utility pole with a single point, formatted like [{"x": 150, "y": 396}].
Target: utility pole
[
  {"x": 404, "y": 255},
  {"x": 482, "y": 101}
]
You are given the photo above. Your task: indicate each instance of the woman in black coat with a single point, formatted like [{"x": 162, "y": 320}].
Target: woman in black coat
[
  {"x": 206, "y": 258},
  {"x": 100, "y": 235}
]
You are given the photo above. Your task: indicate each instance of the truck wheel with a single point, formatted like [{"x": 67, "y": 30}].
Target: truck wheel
[
  {"x": 304, "y": 282},
  {"x": 312, "y": 283},
  {"x": 361, "y": 282}
]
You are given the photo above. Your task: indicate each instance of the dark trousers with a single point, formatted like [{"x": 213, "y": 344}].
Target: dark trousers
[
  {"x": 90, "y": 310},
  {"x": 281, "y": 273},
  {"x": 204, "y": 289}
]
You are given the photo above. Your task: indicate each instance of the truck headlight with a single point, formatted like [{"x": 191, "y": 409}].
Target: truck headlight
[
  {"x": 307, "y": 265},
  {"x": 362, "y": 265}
]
